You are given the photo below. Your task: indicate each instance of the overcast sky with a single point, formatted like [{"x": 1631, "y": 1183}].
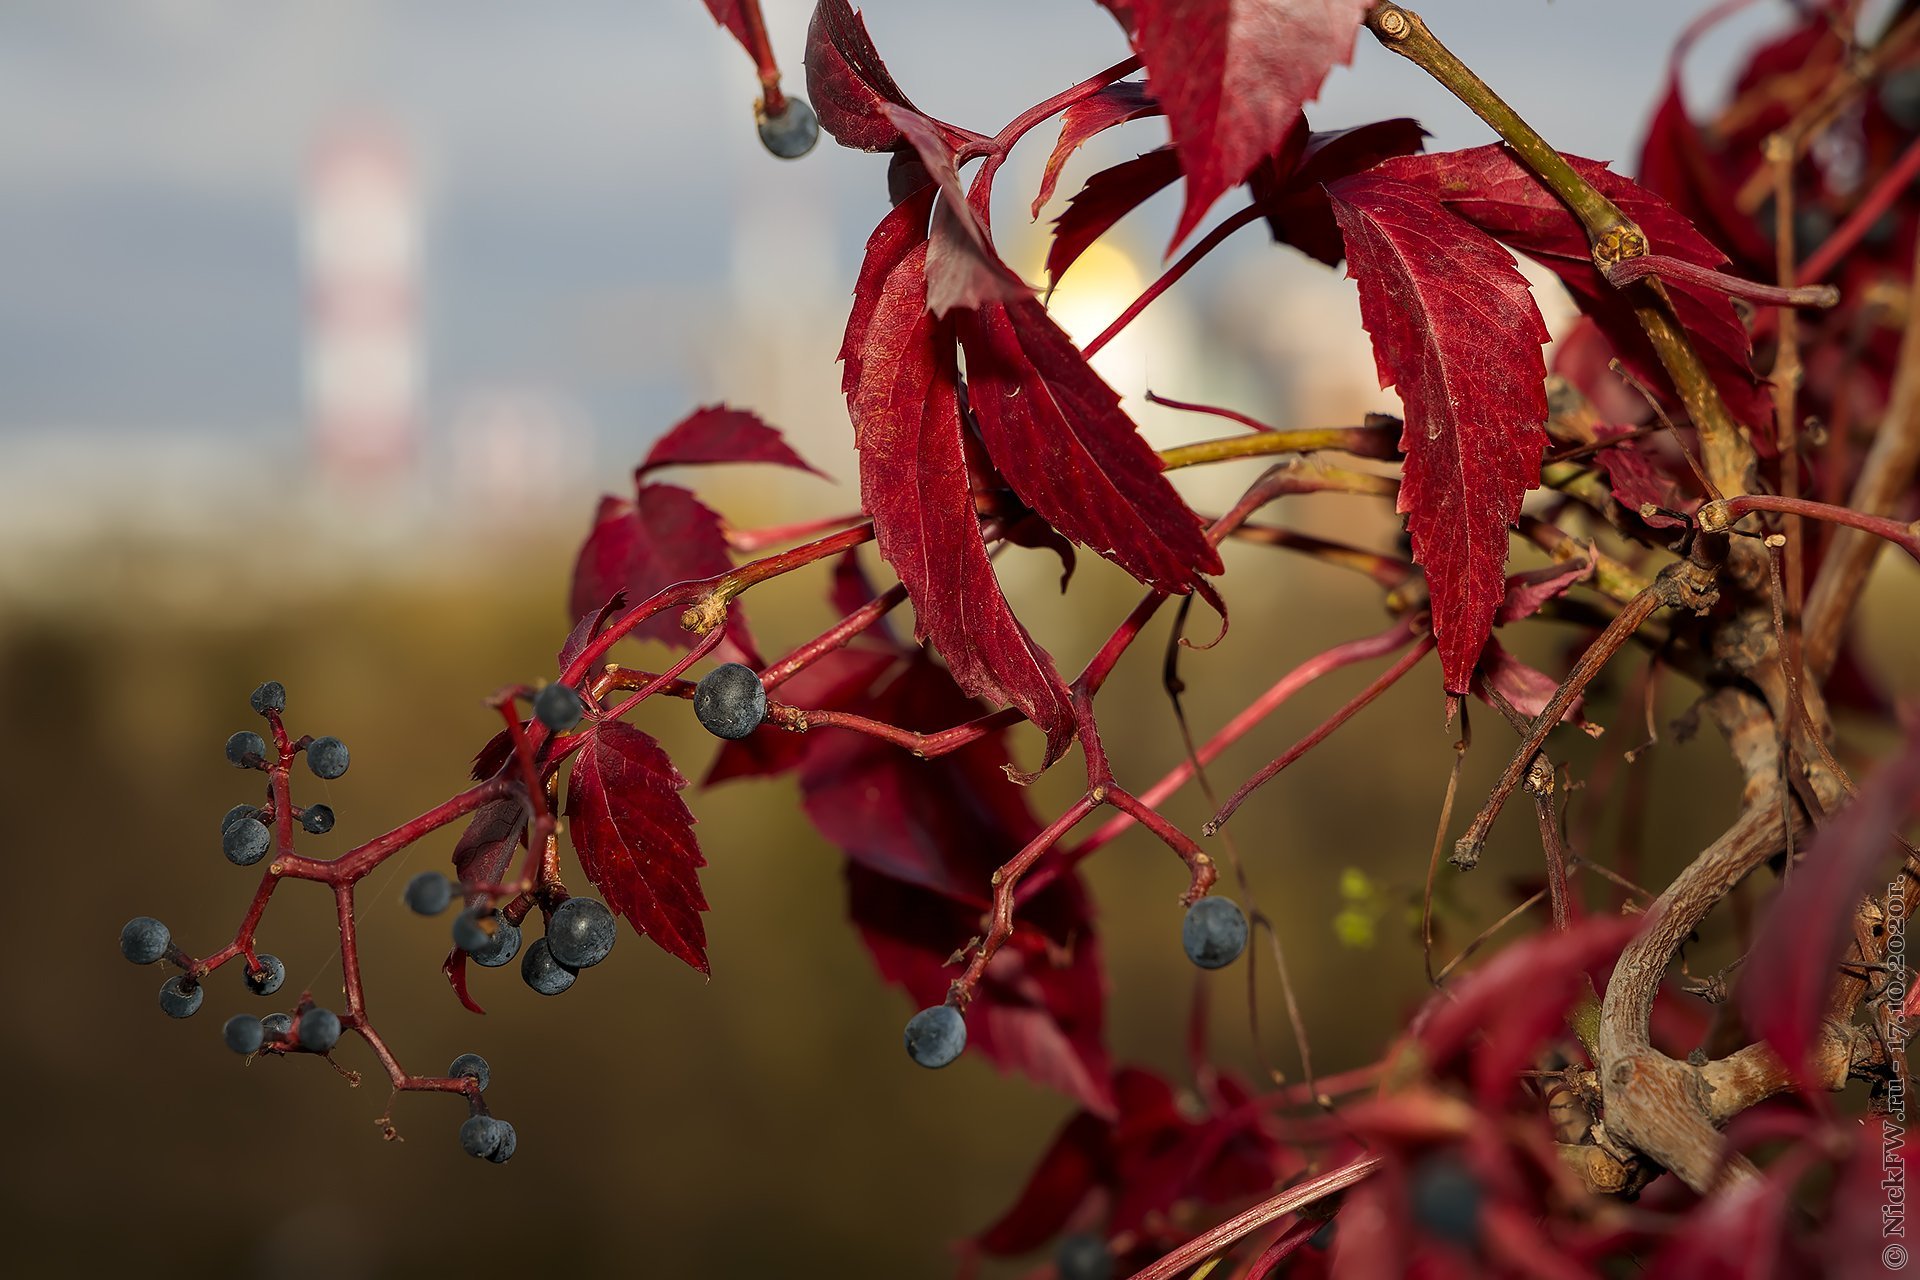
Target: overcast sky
[{"x": 591, "y": 170}]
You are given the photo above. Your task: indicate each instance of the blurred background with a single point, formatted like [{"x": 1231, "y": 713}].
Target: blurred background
[{"x": 321, "y": 329}]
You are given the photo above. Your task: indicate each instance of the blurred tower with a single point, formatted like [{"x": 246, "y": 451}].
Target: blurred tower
[{"x": 363, "y": 356}]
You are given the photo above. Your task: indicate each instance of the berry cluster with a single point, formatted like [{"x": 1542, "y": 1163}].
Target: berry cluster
[{"x": 248, "y": 833}]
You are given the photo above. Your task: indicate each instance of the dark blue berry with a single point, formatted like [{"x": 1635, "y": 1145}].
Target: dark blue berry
[
  {"x": 429, "y": 893},
  {"x": 730, "y": 701},
  {"x": 792, "y": 133},
  {"x": 238, "y": 813},
  {"x": 1083, "y": 1257},
  {"x": 481, "y": 1136},
  {"x": 327, "y": 757},
  {"x": 1445, "y": 1197},
  {"x": 509, "y": 1143},
  {"x": 180, "y": 998},
  {"x": 144, "y": 940},
  {"x": 936, "y": 1036},
  {"x": 489, "y": 948},
  {"x": 1214, "y": 932},
  {"x": 471, "y": 1064},
  {"x": 245, "y": 843},
  {"x": 546, "y": 975},
  {"x": 277, "y": 1026},
  {"x": 271, "y": 696},
  {"x": 581, "y": 933},
  {"x": 317, "y": 819},
  {"x": 557, "y": 707},
  {"x": 243, "y": 1033},
  {"x": 246, "y": 750},
  {"x": 265, "y": 980},
  {"x": 319, "y": 1030}
]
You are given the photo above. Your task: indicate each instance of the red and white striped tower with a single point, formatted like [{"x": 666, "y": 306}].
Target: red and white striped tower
[{"x": 363, "y": 355}]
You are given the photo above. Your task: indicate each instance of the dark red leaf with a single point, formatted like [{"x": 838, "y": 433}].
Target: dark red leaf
[
  {"x": 719, "y": 434},
  {"x": 664, "y": 536},
  {"x": 1517, "y": 1000},
  {"x": 1114, "y": 105},
  {"x": 1676, "y": 163},
  {"x": 1525, "y": 688},
  {"x": 485, "y": 848},
  {"x": 943, "y": 823},
  {"x": 1492, "y": 189},
  {"x": 491, "y": 756},
  {"x": 847, "y": 84},
  {"x": 1068, "y": 1172},
  {"x": 1527, "y": 592},
  {"x": 1109, "y": 196},
  {"x": 1151, "y": 1157},
  {"x": 635, "y": 838},
  {"x": 1038, "y": 1010},
  {"x": 900, "y": 233},
  {"x": 1637, "y": 480},
  {"x": 730, "y": 14},
  {"x": 1291, "y": 186},
  {"x": 830, "y": 684},
  {"x": 584, "y": 631},
  {"x": 962, "y": 270},
  {"x": 905, "y": 408},
  {"x": 454, "y": 970},
  {"x": 1791, "y": 966},
  {"x": 1455, "y": 329},
  {"x": 1059, "y": 437},
  {"x": 1233, "y": 75}
]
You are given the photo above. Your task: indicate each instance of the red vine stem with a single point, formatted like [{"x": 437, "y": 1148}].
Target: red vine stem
[
  {"x": 1395, "y": 637},
  {"x": 1678, "y": 270},
  {"x": 1171, "y": 276},
  {"x": 1381, "y": 683},
  {"x": 1207, "y": 1244},
  {"x": 755, "y": 39},
  {"x": 1894, "y": 183},
  {"x": 1720, "y": 515}
]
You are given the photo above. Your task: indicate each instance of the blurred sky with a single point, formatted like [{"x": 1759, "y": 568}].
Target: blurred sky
[{"x": 602, "y": 228}]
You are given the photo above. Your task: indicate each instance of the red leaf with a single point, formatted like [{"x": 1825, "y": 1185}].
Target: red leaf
[
  {"x": 847, "y": 84},
  {"x": 1149, "y": 1158},
  {"x": 729, "y": 14},
  {"x": 454, "y": 970},
  {"x": 486, "y": 847},
  {"x": 1526, "y": 688},
  {"x": 1493, "y": 190},
  {"x": 943, "y": 823},
  {"x": 1058, "y": 435},
  {"x": 491, "y": 755},
  {"x": 1039, "y": 1008},
  {"x": 905, "y": 407},
  {"x": 900, "y": 233},
  {"x": 1233, "y": 75},
  {"x": 664, "y": 536},
  {"x": 635, "y": 838},
  {"x": 1527, "y": 592},
  {"x": 1068, "y": 1172},
  {"x": 584, "y": 631},
  {"x": 1456, "y": 331},
  {"x": 1114, "y": 105},
  {"x": 719, "y": 434},
  {"x": 1291, "y": 187},
  {"x": 962, "y": 268},
  {"x": 1109, "y": 196},
  {"x": 1518, "y": 999},
  {"x": 1791, "y": 964},
  {"x": 1638, "y": 480}
]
